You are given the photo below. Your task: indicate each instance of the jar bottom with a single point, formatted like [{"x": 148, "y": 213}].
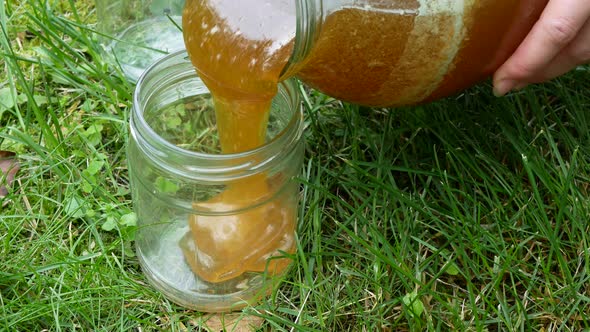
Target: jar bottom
[
  {"x": 136, "y": 48},
  {"x": 167, "y": 270}
]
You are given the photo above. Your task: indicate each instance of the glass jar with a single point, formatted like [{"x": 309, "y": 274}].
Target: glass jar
[
  {"x": 136, "y": 33},
  {"x": 370, "y": 52},
  {"x": 215, "y": 231}
]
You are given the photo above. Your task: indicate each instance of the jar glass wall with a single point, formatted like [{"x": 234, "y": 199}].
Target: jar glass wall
[
  {"x": 214, "y": 230},
  {"x": 136, "y": 33}
]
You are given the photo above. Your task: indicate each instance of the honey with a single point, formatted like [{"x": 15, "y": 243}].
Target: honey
[{"x": 375, "y": 52}]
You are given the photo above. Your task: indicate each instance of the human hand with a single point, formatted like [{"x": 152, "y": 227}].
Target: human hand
[{"x": 558, "y": 42}]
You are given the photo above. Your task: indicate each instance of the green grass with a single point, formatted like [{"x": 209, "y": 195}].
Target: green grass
[{"x": 469, "y": 214}]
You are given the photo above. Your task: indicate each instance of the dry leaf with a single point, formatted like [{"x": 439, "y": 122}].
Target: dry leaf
[
  {"x": 8, "y": 168},
  {"x": 235, "y": 322}
]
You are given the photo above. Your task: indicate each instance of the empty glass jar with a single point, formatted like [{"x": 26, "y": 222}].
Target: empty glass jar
[
  {"x": 215, "y": 231},
  {"x": 135, "y": 33}
]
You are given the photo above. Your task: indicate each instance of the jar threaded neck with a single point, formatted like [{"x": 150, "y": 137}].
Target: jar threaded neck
[{"x": 310, "y": 16}]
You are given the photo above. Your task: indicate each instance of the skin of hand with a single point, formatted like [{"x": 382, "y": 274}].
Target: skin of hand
[{"x": 557, "y": 43}]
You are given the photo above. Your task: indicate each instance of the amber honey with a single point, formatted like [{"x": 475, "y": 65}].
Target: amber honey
[{"x": 379, "y": 53}]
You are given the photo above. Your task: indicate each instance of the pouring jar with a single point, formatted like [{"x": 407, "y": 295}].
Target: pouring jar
[
  {"x": 215, "y": 231},
  {"x": 136, "y": 33},
  {"x": 370, "y": 52}
]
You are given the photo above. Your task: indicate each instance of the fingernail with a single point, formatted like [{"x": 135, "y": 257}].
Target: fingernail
[{"x": 503, "y": 87}]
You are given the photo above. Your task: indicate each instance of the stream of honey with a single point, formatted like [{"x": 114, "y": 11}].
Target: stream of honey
[{"x": 242, "y": 72}]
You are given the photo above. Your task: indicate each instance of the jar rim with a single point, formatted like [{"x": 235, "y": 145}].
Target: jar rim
[{"x": 216, "y": 164}]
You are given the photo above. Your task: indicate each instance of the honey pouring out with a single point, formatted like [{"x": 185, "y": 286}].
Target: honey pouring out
[
  {"x": 372, "y": 52},
  {"x": 240, "y": 64}
]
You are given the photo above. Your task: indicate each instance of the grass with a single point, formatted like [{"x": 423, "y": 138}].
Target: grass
[{"x": 469, "y": 214}]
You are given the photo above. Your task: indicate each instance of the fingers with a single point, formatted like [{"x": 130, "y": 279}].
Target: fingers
[
  {"x": 575, "y": 54},
  {"x": 556, "y": 31}
]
